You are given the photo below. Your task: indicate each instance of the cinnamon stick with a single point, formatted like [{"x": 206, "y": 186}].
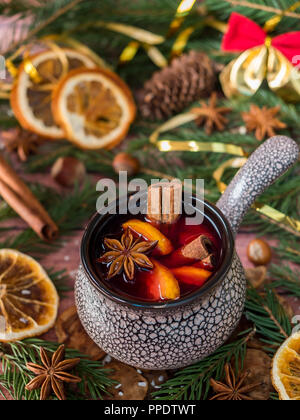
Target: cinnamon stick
[
  {"x": 19, "y": 197},
  {"x": 199, "y": 249},
  {"x": 164, "y": 202}
]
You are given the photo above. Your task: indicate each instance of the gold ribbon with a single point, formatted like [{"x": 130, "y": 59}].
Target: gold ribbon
[
  {"x": 190, "y": 145},
  {"x": 30, "y": 69},
  {"x": 183, "y": 37},
  {"x": 141, "y": 37},
  {"x": 28, "y": 66},
  {"x": 9, "y": 62},
  {"x": 286, "y": 222},
  {"x": 154, "y": 54},
  {"x": 245, "y": 75},
  {"x": 231, "y": 163},
  {"x": 51, "y": 42},
  {"x": 181, "y": 41},
  {"x": 148, "y": 40},
  {"x": 129, "y": 52},
  {"x": 185, "y": 6},
  {"x": 78, "y": 46}
]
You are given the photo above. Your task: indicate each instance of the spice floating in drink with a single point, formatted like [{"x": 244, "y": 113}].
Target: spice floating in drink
[{"x": 138, "y": 261}]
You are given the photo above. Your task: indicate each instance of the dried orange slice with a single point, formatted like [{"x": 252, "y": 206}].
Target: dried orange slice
[
  {"x": 31, "y": 101},
  {"x": 94, "y": 107},
  {"x": 286, "y": 369},
  {"x": 28, "y": 298}
]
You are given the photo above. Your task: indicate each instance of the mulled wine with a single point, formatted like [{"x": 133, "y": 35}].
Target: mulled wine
[{"x": 148, "y": 261}]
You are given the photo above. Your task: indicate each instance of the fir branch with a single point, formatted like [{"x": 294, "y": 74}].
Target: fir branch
[
  {"x": 265, "y": 8},
  {"x": 269, "y": 317},
  {"x": 286, "y": 279},
  {"x": 69, "y": 212},
  {"x": 15, "y": 375},
  {"x": 41, "y": 12},
  {"x": 94, "y": 161},
  {"x": 288, "y": 249},
  {"x": 192, "y": 383},
  {"x": 258, "y": 10}
]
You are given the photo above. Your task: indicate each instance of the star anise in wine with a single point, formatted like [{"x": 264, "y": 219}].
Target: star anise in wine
[
  {"x": 126, "y": 254},
  {"x": 22, "y": 141},
  {"x": 263, "y": 121},
  {"x": 234, "y": 388},
  {"x": 51, "y": 374},
  {"x": 210, "y": 115}
]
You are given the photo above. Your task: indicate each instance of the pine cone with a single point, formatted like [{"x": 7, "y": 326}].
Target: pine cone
[{"x": 187, "y": 79}]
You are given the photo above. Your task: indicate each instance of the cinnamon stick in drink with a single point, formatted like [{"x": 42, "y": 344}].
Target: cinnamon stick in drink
[
  {"x": 19, "y": 197},
  {"x": 164, "y": 202}
]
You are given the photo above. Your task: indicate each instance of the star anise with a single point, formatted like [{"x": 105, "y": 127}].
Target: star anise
[
  {"x": 51, "y": 374},
  {"x": 233, "y": 389},
  {"x": 210, "y": 115},
  {"x": 124, "y": 255},
  {"x": 22, "y": 141},
  {"x": 263, "y": 121}
]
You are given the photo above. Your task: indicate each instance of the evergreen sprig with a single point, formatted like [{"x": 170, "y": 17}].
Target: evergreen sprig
[
  {"x": 270, "y": 324},
  {"x": 286, "y": 279},
  {"x": 14, "y": 375},
  {"x": 258, "y": 10},
  {"x": 69, "y": 212},
  {"x": 269, "y": 317},
  {"x": 192, "y": 383}
]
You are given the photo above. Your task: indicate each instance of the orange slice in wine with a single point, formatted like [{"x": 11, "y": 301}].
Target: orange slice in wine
[
  {"x": 31, "y": 101},
  {"x": 94, "y": 107},
  {"x": 28, "y": 298},
  {"x": 148, "y": 231},
  {"x": 191, "y": 275},
  {"x": 161, "y": 283},
  {"x": 286, "y": 369}
]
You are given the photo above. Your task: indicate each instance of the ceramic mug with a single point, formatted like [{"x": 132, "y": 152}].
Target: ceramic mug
[{"x": 178, "y": 333}]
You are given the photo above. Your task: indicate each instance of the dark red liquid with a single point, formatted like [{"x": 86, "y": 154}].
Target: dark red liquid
[{"x": 179, "y": 234}]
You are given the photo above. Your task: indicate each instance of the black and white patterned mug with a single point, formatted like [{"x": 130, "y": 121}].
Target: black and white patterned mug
[{"x": 178, "y": 333}]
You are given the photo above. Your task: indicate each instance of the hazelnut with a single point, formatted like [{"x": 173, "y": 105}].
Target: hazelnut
[
  {"x": 67, "y": 171},
  {"x": 259, "y": 252},
  {"x": 126, "y": 162}
]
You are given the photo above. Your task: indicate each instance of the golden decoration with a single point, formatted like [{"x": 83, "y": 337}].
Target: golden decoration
[
  {"x": 290, "y": 224},
  {"x": 190, "y": 145},
  {"x": 244, "y": 75}
]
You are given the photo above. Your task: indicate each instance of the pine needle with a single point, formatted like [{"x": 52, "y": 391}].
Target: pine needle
[
  {"x": 15, "y": 375},
  {"x": 192, "y": 383}
]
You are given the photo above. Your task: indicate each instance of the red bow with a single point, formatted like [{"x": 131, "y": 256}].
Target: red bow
[{"x": 244, "y": 34}]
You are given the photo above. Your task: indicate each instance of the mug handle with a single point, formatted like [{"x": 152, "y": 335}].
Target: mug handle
[{"x": 271, "y": 160}]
